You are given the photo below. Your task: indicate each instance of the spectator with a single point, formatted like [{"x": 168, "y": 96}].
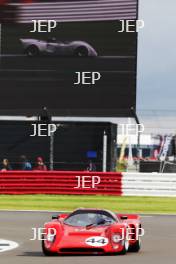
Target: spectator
[
  {"x": 91, "y": 166},
  {"x": 24, "y": 163},
  {"x": 40, "y": 165},
  {"x": 6, "y": 165}
]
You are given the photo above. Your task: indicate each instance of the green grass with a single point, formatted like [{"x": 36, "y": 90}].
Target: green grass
[{"x": 70, "y": 202}]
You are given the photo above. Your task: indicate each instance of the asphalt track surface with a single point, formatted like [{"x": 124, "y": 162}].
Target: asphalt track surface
[{"x": 158, "y": 243}]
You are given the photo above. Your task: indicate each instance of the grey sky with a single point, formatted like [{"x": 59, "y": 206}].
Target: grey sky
[{"x": 156, "y": 87}]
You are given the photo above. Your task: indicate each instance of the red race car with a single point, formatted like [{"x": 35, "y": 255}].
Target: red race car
[{"x": 93, "y": 231}]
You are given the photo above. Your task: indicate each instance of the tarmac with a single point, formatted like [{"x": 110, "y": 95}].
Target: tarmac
[{"x": 158, "y": 243}]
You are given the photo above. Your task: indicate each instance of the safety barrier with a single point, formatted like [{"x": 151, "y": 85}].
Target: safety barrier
[
  {"x": 76, "y": 182},
  {"x": 60, "y": 182},
  {"x": 149, "y": 184},
  {"x": 64, "y": 11}
]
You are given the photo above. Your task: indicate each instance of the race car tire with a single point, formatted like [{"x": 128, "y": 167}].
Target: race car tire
[
  {"x": 81, "y": 52},
  {"x": 136, "y": 246},
  {"x": 32, "y": 51},
  {"x": 45, "y": 251},
  {"x": 125, "y": 247}
]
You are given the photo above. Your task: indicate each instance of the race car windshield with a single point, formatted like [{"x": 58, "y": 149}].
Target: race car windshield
[{"x": 85, "y": 219}]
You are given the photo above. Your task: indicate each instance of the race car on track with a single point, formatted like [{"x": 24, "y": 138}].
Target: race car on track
[
  {"x": 76, "y": 48},
  {"x": 92, "y": 231}
]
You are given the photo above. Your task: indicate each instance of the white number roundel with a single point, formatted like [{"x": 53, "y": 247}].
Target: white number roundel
[{"x": 97, "y": 241}]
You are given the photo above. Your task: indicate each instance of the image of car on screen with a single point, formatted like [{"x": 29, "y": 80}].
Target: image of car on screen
[
  {"x": 91, "y": 231},
  {"x": 76, "y": 48}
]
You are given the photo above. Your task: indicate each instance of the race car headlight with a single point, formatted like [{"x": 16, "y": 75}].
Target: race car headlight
[
  {"x": 50, "y": 237},
  {"x": 116, "y": 238}
]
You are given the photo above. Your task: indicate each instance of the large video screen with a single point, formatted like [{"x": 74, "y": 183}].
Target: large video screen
[{"x": 82, "y": 67}]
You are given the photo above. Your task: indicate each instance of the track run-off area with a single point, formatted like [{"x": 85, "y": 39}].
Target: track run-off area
[{"x": 158, "y": 243}]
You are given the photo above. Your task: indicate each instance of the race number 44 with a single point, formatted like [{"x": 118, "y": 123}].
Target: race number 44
[{"x": 97, "y": 241}]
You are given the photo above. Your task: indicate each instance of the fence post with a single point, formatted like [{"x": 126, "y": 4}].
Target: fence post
[
  {"x": 104, "y": 152},
  {"x": 52, "y": 151}
]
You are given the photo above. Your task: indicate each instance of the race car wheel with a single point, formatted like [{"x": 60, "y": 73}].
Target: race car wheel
[
  {"x": 32, "y": 51},
  {"x": 81, "y": 52},
  {"x": 46, "y": 252},
  {"x": 136, "y": 247},
  {"x": 125, "y": 247}
]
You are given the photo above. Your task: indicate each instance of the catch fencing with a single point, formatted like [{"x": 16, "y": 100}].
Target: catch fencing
[{"x": 87, "y": 10}]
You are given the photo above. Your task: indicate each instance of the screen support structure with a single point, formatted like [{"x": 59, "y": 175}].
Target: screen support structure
[
  {"x": 104, "y": 152},
  {"x": 134, "y": 114},
  {"x": 46, "y": 117}
]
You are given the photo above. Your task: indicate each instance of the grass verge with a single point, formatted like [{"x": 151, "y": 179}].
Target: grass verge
[{"x": 69, "y": 202}]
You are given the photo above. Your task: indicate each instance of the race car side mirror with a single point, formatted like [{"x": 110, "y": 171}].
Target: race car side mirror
[
  {"x": 124, "y": 217},
  {"x": 55, "y": 217}
]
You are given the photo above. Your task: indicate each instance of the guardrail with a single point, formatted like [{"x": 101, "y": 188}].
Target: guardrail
[
  {"x": 149, "y": 184},
  {"x": 64, "y": 11},
  {"x": 60, "y": 182}
]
